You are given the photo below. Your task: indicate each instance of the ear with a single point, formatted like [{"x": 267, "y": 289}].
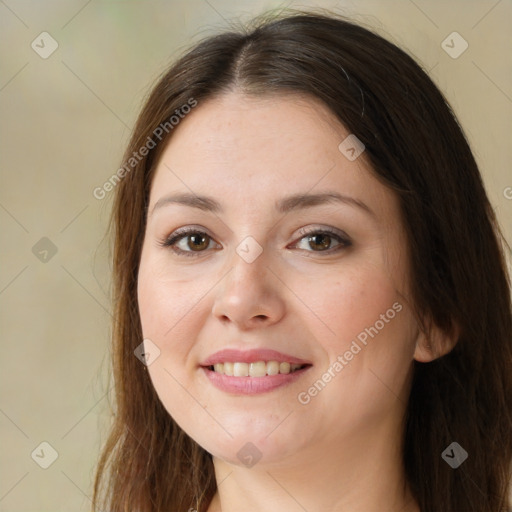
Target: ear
[{"x": 436, "y": 343}]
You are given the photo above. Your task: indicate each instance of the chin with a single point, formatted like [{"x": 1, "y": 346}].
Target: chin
[{"x": 252, "y": 447}]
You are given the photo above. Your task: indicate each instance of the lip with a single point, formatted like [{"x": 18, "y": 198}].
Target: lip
[
  {"x": 252, "y": 385},
  {"x": 251, "y": 356}
]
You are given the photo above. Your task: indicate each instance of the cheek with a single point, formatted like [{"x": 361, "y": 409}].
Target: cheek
[
  {"x": 374, "y": 336},
  {"x": 352, "y": 302},
  {"x": 375, "y": 340},
  {"x": 166, "y": 303},
  {"x": 168, "y": 319}
]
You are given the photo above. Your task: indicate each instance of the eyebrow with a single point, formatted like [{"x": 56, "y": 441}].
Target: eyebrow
[{"x": 284, "y": 205}]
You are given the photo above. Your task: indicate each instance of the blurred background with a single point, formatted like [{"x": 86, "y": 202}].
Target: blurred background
[{"x": 73, "y": 75}]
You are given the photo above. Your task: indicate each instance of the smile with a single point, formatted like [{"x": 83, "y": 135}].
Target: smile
[
  {"x": 244, "y": 384},
  {"x": 256, "y": 369}
]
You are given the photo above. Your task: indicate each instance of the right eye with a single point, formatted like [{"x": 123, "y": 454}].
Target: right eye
[{"x": 191, "y": 241}]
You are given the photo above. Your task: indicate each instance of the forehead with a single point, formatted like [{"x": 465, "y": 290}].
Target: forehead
[
  {"x": 234, "y": 125},
  {"x": 248, "y": 151}
]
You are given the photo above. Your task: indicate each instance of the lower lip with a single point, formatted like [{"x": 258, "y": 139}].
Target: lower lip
[{"x": 252, "y": 385}]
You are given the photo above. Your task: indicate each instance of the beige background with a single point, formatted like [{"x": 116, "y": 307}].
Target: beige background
[{"x": 64, "y": 123}]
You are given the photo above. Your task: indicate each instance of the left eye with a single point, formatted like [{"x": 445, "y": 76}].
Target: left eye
[
  {"x": 322, "y": 239},
  {"x": 195, "y": 241}
]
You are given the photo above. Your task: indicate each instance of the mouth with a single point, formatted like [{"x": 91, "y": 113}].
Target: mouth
[
  {"x": 242, "y": 383},
  {"x": 250, "y": 372},
  {"x": 257, "y": 369}
]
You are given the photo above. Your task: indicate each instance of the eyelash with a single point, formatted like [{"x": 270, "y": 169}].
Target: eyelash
[{"x": 184, "y": 232}]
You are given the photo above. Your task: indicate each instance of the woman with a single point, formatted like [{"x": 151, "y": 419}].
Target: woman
[{"x": 312, "y": 307}]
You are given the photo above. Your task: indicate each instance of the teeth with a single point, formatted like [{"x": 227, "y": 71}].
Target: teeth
[
  {"x": 272, "y": 368},
  {"x": 284, "y": 368},
  {"x": 228, "y": 368},
  {"x": 241, "y": 370},
  {"x": 258, "y": 369}
]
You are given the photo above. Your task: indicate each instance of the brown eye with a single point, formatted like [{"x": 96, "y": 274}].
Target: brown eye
[
  {"x": 188, "y": 241},
  {"x": 322, "y": 241},
  {"x": 198, "y": 242}
]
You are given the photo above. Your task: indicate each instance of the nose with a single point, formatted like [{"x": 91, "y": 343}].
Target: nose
[{"x": 250, "y": 295}]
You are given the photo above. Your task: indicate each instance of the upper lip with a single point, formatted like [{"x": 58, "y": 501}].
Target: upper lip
[{"x": 251, "y": 356}]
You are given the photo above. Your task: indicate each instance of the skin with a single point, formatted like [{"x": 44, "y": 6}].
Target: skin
[{"x": 340, "y": 451}]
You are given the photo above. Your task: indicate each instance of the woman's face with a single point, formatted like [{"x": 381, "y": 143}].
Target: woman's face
[{"x": 274, "y": 262}]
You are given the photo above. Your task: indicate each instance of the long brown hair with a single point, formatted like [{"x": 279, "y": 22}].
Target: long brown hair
[{"x": 459, "y": 275}]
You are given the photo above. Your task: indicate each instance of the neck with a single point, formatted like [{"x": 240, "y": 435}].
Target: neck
[{"x": 363, "y": 475}]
